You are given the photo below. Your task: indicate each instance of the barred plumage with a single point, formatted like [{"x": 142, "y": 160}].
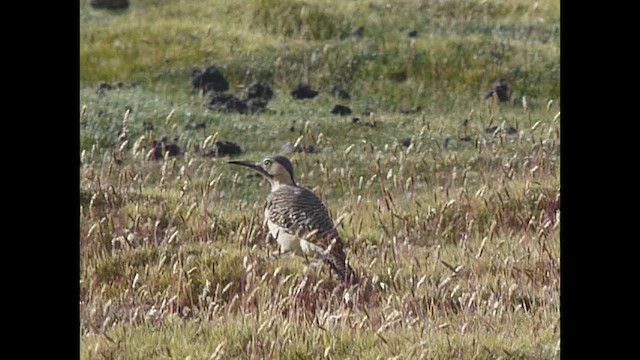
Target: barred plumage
[
  {"x": 299, "y": 212},
  {"x": 298, "y": 220}
]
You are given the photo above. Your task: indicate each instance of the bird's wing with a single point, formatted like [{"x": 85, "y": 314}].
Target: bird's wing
[{"x": 302, "y": 213}]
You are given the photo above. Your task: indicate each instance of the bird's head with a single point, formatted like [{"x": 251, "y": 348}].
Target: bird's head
[{"x": 277, "y": 169}]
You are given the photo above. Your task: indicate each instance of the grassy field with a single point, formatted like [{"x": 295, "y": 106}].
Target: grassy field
[{"x": 458, "y": 242}]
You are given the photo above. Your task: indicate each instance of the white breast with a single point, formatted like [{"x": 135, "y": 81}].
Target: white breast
[{"x": 289, "y": 241}]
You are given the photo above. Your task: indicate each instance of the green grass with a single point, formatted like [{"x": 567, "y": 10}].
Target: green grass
[{"x": 459, "y": 245}]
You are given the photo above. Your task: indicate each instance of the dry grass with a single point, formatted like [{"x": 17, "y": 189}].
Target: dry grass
[
  {"x": 458, "y": 245},
  {"x": 459, "y": 252}
]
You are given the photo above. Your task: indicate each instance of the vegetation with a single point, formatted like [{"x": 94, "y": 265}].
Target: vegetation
[{"x": 458, "y": 241}]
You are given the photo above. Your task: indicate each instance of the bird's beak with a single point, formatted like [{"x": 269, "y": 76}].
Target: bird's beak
[{"x": 253, "y": 165}]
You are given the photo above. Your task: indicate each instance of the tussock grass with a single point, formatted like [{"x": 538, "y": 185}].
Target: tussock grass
[
  {"x": 458, "y": 242},
  {"x": 445, "y": 238},
  {"x": 463, "y": 46}
]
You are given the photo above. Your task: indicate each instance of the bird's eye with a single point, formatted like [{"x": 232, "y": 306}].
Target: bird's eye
[{"x": 266, "y": 162}]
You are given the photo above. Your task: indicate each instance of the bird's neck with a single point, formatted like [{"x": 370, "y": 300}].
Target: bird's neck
[{"x": 276, "y": 185}]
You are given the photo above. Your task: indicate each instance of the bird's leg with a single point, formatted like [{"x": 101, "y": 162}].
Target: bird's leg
[
  {"x": 279, "y": 252},
  {"x": 312, "y": 262},
  {"x": 275, "y": 253},
  {"x": 307, "y": 263}
]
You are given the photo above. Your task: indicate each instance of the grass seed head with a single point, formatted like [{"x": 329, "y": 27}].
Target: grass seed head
[{"x": 167, "y": 120}]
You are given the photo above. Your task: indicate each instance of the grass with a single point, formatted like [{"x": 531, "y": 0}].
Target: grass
[{"x": 459, "y": 245}]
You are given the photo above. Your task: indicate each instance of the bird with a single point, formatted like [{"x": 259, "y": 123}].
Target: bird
[{"x": 298, "y": 220}]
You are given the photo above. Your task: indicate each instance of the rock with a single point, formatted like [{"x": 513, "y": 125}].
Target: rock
[
  {"x": 406, "y": 142},
  {"x": 358, "y": 32},
  {"x": 509, "y": 130},
  {"x": 290, "y": 149},
  {"x": 197, "y": 126},
  {"x": 404, "y": 109},
  {"x": 501, "y": 89},
  {"x": 447, "y": 140},
  {"x": 163, "y": 146},
  {"x": 464, "y": 124},
  {"x": 491, "y": 130},
  {"x": 256, "y": 106},
  {"x": 340, "y": 93},
  {"x": 110, "y": 4},
  {"x": 231, "y": 103},
  {"x": 228, "y": 102},
  {"x": 220, "y": 100},
  {"x": 237, "y": 105},
  {"x": 147, "y": 126},
  {"x": 341, "y": 110},
  {"x": 209, "y": 80},
  {"x": 157, "y": 150},
  {"x": 358, "y": 121},
  {"x": 303, "y": 91},
  {"x": 407, "y": 110},
  {"x": 173, "y": 149},
  {"x": 105, "y": 86},
  {"x": 222, "y": 148},
  {"x": 412, "y": 33},
  {"x": 259, "y": 91}
]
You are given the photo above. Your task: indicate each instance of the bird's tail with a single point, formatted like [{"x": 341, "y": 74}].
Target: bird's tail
[
  {"x": 344, "y": 271},
  {"x": 334, "y": 255},
  {"x": 351, "y": 277}
]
